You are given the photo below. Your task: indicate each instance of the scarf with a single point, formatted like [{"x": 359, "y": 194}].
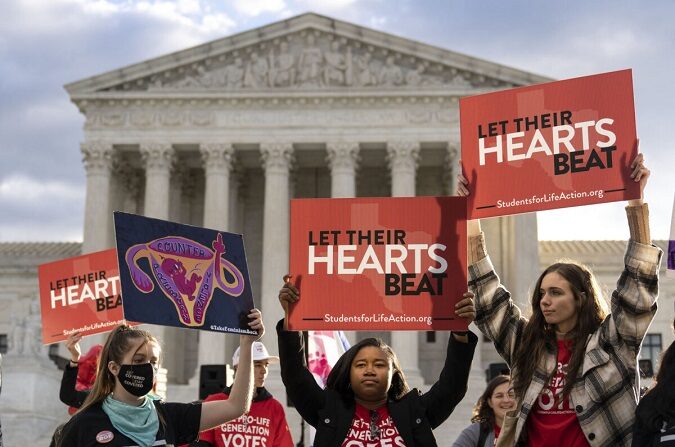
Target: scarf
[{"x": 139, "y": 423}]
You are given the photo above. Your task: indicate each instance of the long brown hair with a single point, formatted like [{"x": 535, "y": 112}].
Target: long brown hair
[
  {"x": 482, "y": 412},
  {"x": 338, "y": 378},
  {"x": 538, "y": 337},
  {"x": 114, "y": 349}
]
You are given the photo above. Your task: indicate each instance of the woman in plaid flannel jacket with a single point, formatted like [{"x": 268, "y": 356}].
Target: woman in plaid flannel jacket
[{"x": 604, "y": 348}]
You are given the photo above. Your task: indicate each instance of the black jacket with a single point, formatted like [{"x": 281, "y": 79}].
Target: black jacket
[
  {"x": 415, "y": 415},
  {"x": 68, "y": 394},
  {"x": 178, "y": 424}
]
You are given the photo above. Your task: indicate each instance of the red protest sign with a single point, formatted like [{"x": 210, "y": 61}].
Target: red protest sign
[
  {"x": 80, "y": 294},
  {"x": 378, "y": 263},
  {"x": 547, "y": 146}
]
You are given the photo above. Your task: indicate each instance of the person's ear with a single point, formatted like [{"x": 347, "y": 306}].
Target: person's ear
[{"x": 114, "y": 368}]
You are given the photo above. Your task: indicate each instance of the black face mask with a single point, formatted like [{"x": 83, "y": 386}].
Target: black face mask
[{"x": 137, "y": 379}]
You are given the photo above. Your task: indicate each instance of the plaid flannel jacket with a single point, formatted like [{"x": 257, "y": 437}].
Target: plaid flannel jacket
[{"x": 606, "y": 393}]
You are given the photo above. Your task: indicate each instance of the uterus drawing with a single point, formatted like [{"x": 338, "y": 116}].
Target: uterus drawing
[{"x": 187, "y": 272}]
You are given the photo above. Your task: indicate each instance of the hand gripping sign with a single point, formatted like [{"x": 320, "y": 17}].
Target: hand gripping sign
[{"x": 179, "y": 275}]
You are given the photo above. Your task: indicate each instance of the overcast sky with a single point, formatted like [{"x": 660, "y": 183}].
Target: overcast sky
[{"x": 46, "y": 44}]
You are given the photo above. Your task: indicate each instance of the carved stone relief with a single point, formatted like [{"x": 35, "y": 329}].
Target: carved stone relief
[{"x": 309, "y": 60}]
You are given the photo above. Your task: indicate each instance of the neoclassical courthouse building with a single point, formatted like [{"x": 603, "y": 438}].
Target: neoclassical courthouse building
[{"x": 223, "y": 134}]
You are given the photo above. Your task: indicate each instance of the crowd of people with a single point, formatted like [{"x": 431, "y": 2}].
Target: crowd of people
[{"x": 573, "y": 372}]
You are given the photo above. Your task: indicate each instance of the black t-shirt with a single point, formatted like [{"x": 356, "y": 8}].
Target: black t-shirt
[{"x": 93, "y": 427}]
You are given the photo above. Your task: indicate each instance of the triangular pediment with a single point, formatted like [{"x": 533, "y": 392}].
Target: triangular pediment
[{"x": 307, "y": 52}]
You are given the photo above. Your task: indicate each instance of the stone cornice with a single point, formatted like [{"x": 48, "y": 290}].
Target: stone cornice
[
  {"x": 89, "y": 103},
  {"x": 139, "y": 104},
  {"x": 414, "y": 112}
]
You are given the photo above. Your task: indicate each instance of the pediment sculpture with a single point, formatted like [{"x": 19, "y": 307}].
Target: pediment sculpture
[{"x": 310, "y": 60}]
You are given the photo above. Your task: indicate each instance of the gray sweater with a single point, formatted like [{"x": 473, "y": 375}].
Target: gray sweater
[{"x": 469, "y": 437}]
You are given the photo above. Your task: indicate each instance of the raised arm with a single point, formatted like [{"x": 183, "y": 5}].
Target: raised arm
[
  {"x": 305, "y": 393},
  {"x": 634, "y": 299},
  {"x": 497, "y": 317},
  {"x": 239, "y": 402},
  {"x": 68, "y": 393}
]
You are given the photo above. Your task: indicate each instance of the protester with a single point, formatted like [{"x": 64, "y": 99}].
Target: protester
[
  {"x": 655, "y": 415},
  {"x": 488, "y": 414},
  {"x": 570, "y": 334},
  {"x": 118, "y": 412},
  {"x": 264, "y": 425},
  {"x": 79, "y": 374},
  {"x": 367, "y": 397}
]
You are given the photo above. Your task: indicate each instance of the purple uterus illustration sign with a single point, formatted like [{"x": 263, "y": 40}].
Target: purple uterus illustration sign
[{"x": 187, "y": 272}]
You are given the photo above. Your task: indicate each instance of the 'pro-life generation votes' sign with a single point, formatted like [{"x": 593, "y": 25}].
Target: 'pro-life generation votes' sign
[
  {"x": 547, "y": 146},
  {"x": 378, "y": 263}
]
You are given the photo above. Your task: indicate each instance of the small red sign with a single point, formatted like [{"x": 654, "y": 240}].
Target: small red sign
[{"x": 80, "y": 294}]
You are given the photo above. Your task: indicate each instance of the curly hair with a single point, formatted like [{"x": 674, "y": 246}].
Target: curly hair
[{"x": 482, "y": 412}]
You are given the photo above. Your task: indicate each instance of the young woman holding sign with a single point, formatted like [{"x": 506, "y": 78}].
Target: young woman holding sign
[
  {"x": 118, "y": 411},
  {"x": 573, "y": 365},
  {"x": 367, "y": 400}
]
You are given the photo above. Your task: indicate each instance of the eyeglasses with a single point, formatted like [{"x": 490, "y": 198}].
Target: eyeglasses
[{"x": 374, "y": 429}]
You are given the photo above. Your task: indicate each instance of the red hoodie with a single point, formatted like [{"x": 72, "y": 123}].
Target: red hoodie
[{"x": 264, "y": 426}]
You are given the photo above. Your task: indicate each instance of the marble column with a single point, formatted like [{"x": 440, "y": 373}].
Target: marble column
[
  {"x": 217, "y": 159},
  {"x": 277, "y": 159},
  {"x": 342, "y": 159},
  {"x": 159, "y": 159},
  {"x": 451, "y": 168},
  {"x": 97, "y": 159},
  {"x": 402, "y": 157}
]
